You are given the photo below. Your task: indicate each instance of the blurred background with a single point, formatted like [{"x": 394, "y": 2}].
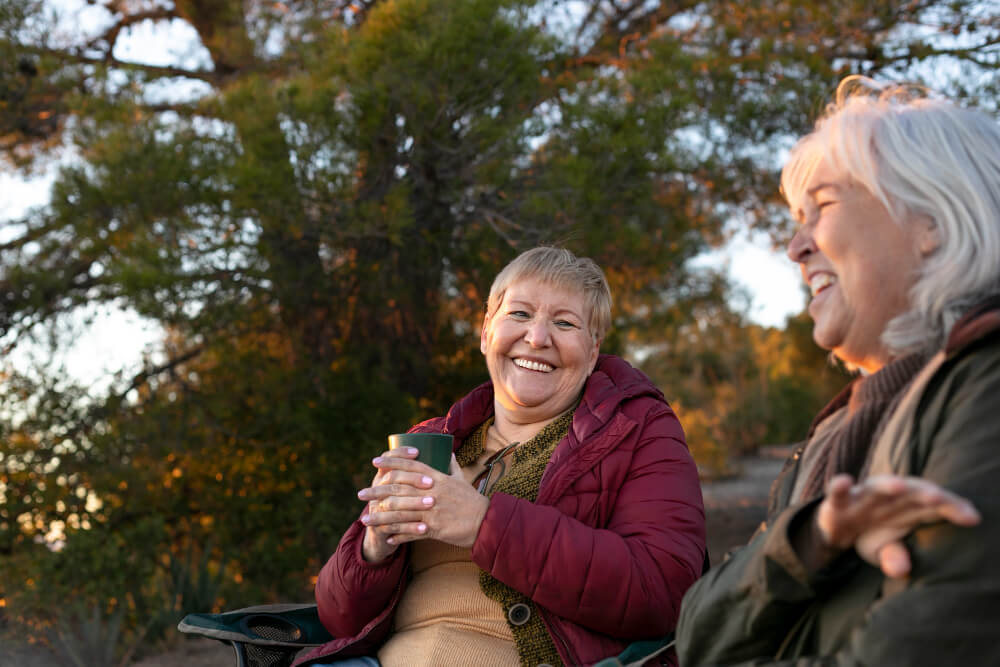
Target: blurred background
[{"x": 243, "y": 240}]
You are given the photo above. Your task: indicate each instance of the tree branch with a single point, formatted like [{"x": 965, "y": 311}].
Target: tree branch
[
  {"x": 157, "y": 71},
  {"x": 110, "y": 36}
]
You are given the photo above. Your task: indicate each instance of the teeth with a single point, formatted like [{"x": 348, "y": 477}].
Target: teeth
[
  {"x": 819, "y": 281},
  {"x": 533, "y": 365}
]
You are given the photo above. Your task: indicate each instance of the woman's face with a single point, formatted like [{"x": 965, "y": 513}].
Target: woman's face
[
  {"x": 539, "y": 350},
  {"x": 859, "y": 265}
]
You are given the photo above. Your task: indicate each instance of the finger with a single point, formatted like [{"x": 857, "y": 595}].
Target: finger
[
  {"x": 384, "y": 490},
  {"x": 400, "y": 452},
  {"x": 403, "y": 538},
  {"x": 922, "y": 502},
  {"x": 391, "y": 519},
  {"x": 894, "y": 560},
  {"x": 397, "y": 482},
  {"x": 385, "y": 463},
  {"x": 407, "y": 532},
  {"x": 838, "y": 490},
  {"x": 961, "y": 512},
  {"x": 401, "y": 503},
  {"x": 885, "y": 485},
  {"x": 454, "y": 469}
]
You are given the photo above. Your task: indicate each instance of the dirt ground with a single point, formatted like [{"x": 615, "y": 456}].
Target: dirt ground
[{"x": 734, "y": 508}]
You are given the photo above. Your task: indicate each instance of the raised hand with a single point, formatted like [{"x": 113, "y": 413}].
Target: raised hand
[
  {"x": 394, "y": 500},
  {"x": 404, "y": 506},
  {"x": 875, "y": 515}
]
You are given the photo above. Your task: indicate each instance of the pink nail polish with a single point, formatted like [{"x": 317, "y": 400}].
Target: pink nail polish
[
  {"x": 426, "y": 480},
  {"x": 427, "y": 500},
  {"x": 412, "y": 450},
  {"x": 422, "y": 528}
]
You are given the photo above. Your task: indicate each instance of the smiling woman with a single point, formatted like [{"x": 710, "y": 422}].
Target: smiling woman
[
  {"x": 540, "y": 347},
  {"x": 881, "y": 542},
  {"x": 571, "y": 523}
]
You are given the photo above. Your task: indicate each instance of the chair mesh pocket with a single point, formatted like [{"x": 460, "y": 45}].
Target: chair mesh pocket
[
  {"x": 269, "y": 627},
  {"x": 263, "y": 656}
]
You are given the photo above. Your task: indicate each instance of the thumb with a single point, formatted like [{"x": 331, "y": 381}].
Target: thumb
[{"x": 894, "y": 560}]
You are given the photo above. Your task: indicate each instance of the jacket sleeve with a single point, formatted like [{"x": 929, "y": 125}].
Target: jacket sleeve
[
  {"x": 947, "y": 611},
  {"x": 351, "y": 593},
  {"x": 745, "y": 607},
  {"x": 626, "y": 577}
]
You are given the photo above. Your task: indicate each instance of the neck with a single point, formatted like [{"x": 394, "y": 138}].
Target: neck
[{"x": 512, "y": 429}]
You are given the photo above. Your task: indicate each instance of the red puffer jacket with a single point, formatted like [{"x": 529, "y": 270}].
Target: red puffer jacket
[{"x": 608, "y": 549}]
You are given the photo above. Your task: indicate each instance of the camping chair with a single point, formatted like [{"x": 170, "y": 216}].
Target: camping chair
[{"x": 272, "y": 635}]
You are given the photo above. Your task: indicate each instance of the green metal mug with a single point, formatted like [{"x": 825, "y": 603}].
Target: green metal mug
[{"x": 435, "y": 448}]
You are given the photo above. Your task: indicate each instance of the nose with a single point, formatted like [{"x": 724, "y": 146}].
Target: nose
[
  {"x": 537, "y": 334},
  {"x": 801, "y": 245}
]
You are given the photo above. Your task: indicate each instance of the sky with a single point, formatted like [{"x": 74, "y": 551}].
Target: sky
[{"x": 117, "y": 339}]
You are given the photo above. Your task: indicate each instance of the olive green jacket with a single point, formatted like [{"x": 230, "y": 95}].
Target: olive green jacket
[{"x": 761, "y": 607}]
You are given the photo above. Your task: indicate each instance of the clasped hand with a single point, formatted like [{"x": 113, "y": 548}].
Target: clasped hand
[
  {"x": 875, "y": 515},
  {"x": 409, "y": 501}
]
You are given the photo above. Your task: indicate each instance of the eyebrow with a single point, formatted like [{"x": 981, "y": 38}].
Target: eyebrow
[
  {"x": 561, "y": 311},
  {"x": 822, "y": 186}
]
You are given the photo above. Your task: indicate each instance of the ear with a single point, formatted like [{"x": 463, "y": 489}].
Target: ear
[
  {"x": 595, "y": 351},
  {"x": 482, "y": 333},
  {"x": 928, "y": 236}
]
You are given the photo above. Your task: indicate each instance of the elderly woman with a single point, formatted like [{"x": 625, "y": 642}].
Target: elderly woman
[
  {"x": 898, "y": 199},
  {"x": 571, "y": 523}
]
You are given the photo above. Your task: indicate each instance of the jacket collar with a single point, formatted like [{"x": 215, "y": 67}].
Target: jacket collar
[
  {"x": 980, "y": 322},
  {"x": 613, "y": 382}
]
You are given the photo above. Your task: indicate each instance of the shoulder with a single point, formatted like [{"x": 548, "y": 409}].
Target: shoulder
[
  {"x": 464, "y": 416},
  {"x": 615, "y": 382},
  {"x": 622, "y": 405}
]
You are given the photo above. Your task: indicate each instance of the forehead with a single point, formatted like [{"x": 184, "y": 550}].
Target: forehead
[
  {"x": 809, "y": 177},
  {"x": 545, "y": 294}
]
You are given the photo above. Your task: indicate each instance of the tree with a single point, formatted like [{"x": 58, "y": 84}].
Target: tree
[
  {"x": 737, "y": 386},
  {"x": 316, "y": 219}
]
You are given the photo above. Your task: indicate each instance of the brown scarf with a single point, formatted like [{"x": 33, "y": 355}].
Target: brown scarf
[{"x": 868, "y": 401}]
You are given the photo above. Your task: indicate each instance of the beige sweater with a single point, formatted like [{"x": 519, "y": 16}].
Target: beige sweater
[{"x": 445, "y": 618}]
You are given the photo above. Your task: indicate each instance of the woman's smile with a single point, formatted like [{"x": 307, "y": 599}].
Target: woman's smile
[{"x": 537, "y": 366}]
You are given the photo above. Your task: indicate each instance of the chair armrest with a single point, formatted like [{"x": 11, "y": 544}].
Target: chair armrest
[{"x": 262, "y": 636}]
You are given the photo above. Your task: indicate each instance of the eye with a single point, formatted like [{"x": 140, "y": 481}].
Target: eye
[
  {"x": 566, "y": 325},
  {"x": 519, "y": 315}
]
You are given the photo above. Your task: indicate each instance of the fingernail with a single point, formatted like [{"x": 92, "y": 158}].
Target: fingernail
[
  {"x": 427, "y": 500},
  {"x": 426, "y": 480},
  {"x": 412, "y": 450},
  {"x": 421, "y": 528},
  {"x": 366, "y": 519},
  {"x": 391, "y": 540},
  {"x": 363, "y": 493},
  {"x": 377, "y": 460}
]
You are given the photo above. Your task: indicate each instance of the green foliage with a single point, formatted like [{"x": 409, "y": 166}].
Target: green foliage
[
  {"x": 737, "y": 386},
  {"x": 316, "y": 227}
]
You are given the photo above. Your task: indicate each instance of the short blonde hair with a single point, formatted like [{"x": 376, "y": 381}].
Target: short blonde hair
[
  {"x": 562, "y": 269},
  {"x": 923, "y": 158}
]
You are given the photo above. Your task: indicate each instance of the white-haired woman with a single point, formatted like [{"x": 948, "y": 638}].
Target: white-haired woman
[
  {"x": 572, "y": 522},
  {"x": 882, "y": 538}
]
